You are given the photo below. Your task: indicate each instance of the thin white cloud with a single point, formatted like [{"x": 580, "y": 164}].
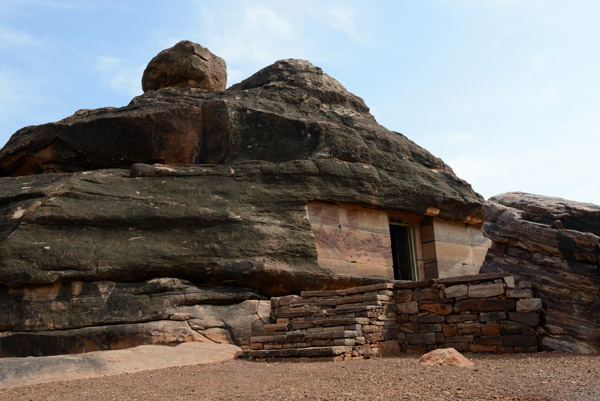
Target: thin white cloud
[
  {"x": 11, "y": 38},
  {"x": 257, "y": 35},
  {"x": 119, "y": 76},
  {"x": 337, "y": 15},
  {"x": 251, "y": 35}
]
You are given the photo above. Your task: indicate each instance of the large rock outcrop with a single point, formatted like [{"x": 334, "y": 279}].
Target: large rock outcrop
[
  {"x": 554, "y": 243},
  {"x": 108, "y": 249}
]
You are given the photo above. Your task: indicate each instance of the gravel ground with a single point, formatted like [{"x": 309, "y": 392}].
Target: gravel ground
[{"x": 527, "y": 377}]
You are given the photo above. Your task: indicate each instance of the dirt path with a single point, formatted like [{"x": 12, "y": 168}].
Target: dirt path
[{"x": 530, "y": 377}]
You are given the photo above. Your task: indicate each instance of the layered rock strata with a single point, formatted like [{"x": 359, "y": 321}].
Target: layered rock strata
[
  {"x": 553, "y": 243},
  {"x": 477, "y": 313},
  {"x": 289, "y": 111},
  {"x": 176, "y": 217}
]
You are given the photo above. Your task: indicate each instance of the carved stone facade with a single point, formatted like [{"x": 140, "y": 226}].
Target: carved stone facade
[{"x": 394, "y": 245}]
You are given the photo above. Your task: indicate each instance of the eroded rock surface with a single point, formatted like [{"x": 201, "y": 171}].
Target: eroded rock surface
[
  {"x": 101, "y": 247},
  {"x": 187, "y": 65},
  {"x": 288, "y": 111},
  {"x": 554, "y": 243}
]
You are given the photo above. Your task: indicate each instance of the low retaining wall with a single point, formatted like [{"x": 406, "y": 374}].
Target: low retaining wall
[{"x": 476, "y": 313}]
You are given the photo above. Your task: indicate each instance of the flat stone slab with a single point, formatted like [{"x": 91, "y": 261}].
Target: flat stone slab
[{"x": 15, "y": 372}]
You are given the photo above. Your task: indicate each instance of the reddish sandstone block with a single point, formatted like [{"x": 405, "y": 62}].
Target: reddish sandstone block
[
  {"x": 327, "y": 293},
  {"x": 360, "y": 298},
  {"x": 409, "y": 327},
  {"x": 485, "y": 305},
  {"x": 519, "y": 293},
  {"x": 468, "y": 338},
  {"x": 419, "y": 339},
  {"x": 469, "y": 328},
  {"x": 428, "y": 318},
  {"x": 482, "y": 348},
  {"x": 515, "y": 328},
  {"x": 490, "y": 329},
  {"x": 486, "y": 290},
  {"x": 408, "y": 307},
  {"x": 402, "y": 318},
  {"x": 431, "y": 327},
  {"x": 426, "y": 293},
  {"x": 462, "y": 318},
  {"x": 492, "y": 316},
  {"x": 321, "y": 342},
  {"x": 370, "y": 288},
  {"x": 456, "y": 291},
  {"x": 528, "y": 318},
  {"x": 439, "y": 309},
  {"x": 275, "y": 327},
  {"x": 403, "y": 295},
  {"x": 449, "y": 331}
]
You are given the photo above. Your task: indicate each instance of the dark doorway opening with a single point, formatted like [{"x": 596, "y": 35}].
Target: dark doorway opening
[{"x": 403, "y": 252}]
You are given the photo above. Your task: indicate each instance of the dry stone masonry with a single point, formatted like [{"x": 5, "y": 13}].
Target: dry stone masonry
[{"x": 477, "y": 313}]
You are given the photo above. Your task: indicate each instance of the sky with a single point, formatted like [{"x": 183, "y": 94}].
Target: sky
[{"x": 507, "y": 92}]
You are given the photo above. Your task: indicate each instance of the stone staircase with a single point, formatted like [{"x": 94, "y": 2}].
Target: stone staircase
[{"x": 328, "y": 325}]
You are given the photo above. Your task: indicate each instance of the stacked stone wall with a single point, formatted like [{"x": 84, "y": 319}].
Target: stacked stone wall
[
  {"x": 476, "y": 313},
  {"x": 336, "y": 324}
]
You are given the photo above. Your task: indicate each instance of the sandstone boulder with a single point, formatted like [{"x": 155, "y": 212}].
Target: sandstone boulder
[
  {"x": 186, "y": 65},
  {"x": 445, "y": 357},
  {"x": 102, "y": 247},
  {"x": 554, "y": 244}
]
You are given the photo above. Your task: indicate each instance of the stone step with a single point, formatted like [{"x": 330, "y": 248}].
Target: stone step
[
  {"x": 299, "y": 352},
  {"x": 275, "y": 327},
  {"x": 300, "y": 337}
]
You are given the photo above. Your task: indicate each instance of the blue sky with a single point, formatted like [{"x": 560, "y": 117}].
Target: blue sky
[{"x": 507, "y": 92}]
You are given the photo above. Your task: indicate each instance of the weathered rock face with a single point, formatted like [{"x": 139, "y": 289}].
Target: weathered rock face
[
  {"x": 187, "y": 65},
  {"x": 107, "y": 250},
  {"x": 554, "y": 243},
  {"x": 287, "y": 111}
]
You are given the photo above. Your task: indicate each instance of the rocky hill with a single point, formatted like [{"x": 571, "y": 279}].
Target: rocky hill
[{"x": 175, "y": 217}]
